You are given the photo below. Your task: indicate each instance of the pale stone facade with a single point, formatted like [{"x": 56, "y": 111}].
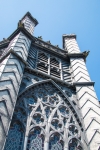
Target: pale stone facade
[{"x": 47, "y": 99}]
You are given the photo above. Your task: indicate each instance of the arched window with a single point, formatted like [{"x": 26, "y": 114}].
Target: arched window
[
  {"x": 55, "y": 143},
  {"x": 54, "y": 67},
  {"x": 15, "y": 138},
  {"x": 42, "y": 67},
  {"x": 35, "y": 140},
  {"x": 42, "y": 57},
  {"x": 42, "y": 63},
  {"x": 54, "y": 62},
  {"x": 73, "y": 130},
  {"x": 74, "y": 144},
  {"x": 51, "y": 119}
]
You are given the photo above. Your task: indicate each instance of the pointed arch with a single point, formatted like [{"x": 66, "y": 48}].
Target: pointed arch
[
  {"x": 56, "y": 142},
  {"x": 74, "y": 144},
  {"x": 53, "y": 113},
  {"x": 35, "y": 139},
  {"x": 43, "y": 57},
  {"x": 64, "y": 96},
  {"x": 54, "y": 62}
]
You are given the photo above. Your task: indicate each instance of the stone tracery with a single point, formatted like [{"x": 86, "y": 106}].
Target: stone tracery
[{"x": 49, "y": 120}]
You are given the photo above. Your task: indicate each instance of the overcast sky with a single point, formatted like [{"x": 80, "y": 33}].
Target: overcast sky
[{"x": 58, "y": 17}]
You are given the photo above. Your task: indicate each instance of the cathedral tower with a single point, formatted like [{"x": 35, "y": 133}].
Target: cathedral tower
[{"x": 47, "y": 99}]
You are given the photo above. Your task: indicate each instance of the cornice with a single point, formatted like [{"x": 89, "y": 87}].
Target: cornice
[
  {"x": 84, "y": 83},
  {"x": 21, "y": 29},
  {"x": 50, "y": 45},
  {"x": 51, "y": 50},
  {"x": 79, "y": 55},
  {"x": 44, "y": 45},
  {"x": 4, "y": 43},
  {"x": 37, "y": 72}
]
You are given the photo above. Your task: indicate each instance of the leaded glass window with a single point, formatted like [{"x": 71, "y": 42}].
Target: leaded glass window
[
  {"x": 47, "y": 111},
  {"x": 55, "y": 143},
  {"x": 15, "y": 138},
  {"x": 35, "y": 140},
  {"x": 49, "y": 119},
  {"x": 31, "y": 100},
  {"x": 74, "y": 144}
]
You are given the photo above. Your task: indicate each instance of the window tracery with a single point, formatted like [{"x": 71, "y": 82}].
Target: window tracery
[
  {"x": 54, "y": 62},
  {"x": 55, "y": 143},
  {"x": 31, "y": 100},
  {"x": 73, "y": 130},
  {"x": 51, "y": 118},
  {"x": 42, "y": 63},
  {"x": 47, "y": 111},
  {"x": 74, "y": 144},
  {"x": 63, "y": 110},
  {"x": 35, "y": 140}
]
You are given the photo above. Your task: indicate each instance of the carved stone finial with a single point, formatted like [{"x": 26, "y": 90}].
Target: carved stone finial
[
  {"x": 86, "y": 53},
  {"x": 20, "y": 24},
  {"x": 57, "y": 46},
  {"x": 40, "y": 37},
  {"x": 48, "y": 42}
]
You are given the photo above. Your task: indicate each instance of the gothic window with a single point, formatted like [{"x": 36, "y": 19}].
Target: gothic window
[
  {"x": 15, "y": 138},
  {"x": 51, "y": 118},
  {"x": 55, "y": 123},
  {"x": 38, "y": 118},
  {"x": 63, "y": 110},
  {"x": 55, "y": 72},
  {"x": 35, "y": 140},
  {"x": 42, "y": 67},
  {"x": 42, "y": 57},
  {"x": 31, "y": 100},
  {"x": 54, "y": 67},
  {"x": 42, "y": 63},
  {"x": 74, "y": 144},
  {"x": 55, "y": 143},
  {"x": 47, "y": 111},
  {"x": 54, "y": 62},
  {"x": 73, "y": 130}
]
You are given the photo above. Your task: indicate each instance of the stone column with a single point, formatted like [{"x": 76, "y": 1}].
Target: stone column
[
  {"x": 61, "y": 71},
  {"x": 48, "y": 64},
  {"x": 46, "y": 145}
]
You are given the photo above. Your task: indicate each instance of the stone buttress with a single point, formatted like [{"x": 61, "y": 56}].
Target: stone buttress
[
  {"x": 13, "y": 62},
  {"x": 86, "y": 96}
]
